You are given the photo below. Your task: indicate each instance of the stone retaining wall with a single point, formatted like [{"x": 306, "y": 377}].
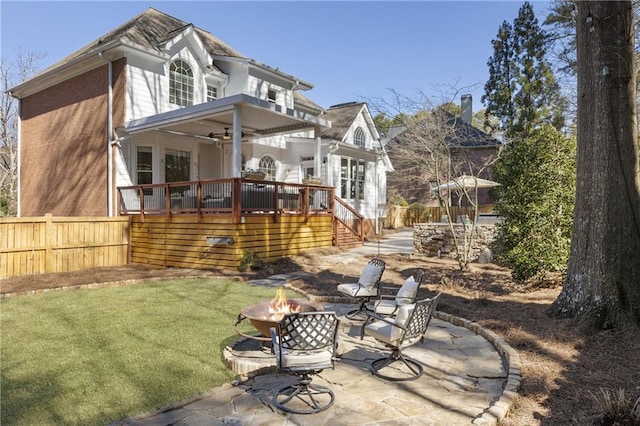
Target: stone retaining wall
[{"x": 436, "y": 239}]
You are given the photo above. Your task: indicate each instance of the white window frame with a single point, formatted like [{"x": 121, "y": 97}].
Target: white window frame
[
  {"x": 181, "y": 83},
  {"x": 359, "y": 137},
  {"x": 352, "y": 178},
  {"x": 272, "y": 95},
  {"x": 210, "y": 89},
  {"x": 267, "y": 164},
  {"x": 137, "y": 163}
]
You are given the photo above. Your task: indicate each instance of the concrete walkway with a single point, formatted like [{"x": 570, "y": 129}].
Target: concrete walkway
[
  {"x": 388, "y": 243},
  {"x": 471, "y": 377}
]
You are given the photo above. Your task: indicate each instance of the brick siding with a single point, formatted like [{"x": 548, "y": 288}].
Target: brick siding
[{"x": 64, "y": 145}]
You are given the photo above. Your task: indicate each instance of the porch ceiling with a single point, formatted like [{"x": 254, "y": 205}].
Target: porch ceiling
[{"x": 259, "y": 118}]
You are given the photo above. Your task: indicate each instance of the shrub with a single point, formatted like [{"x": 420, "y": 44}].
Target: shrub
[
  {"x": 616, "y": 408},
  {"x": 535, "y": 202},
  {"x": 250, "y": 260},
  {"x": 398, "y": 200}
]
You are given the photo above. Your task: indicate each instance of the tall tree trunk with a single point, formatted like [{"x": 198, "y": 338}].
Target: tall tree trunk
[{"x": 602, "y": 287}]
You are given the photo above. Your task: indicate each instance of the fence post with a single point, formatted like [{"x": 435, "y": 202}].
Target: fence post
[{"x": 49, "y": 235}]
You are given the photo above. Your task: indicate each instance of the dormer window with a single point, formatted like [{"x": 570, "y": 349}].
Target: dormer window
[
  {"x": 359, "y": 139},
  {"x": 272, "y": 96},
  {"x": 180, "y": 83},
  {"x": 212, "y": 93}
]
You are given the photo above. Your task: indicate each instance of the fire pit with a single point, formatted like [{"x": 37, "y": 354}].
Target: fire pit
[{"x": 264, "y": 315}]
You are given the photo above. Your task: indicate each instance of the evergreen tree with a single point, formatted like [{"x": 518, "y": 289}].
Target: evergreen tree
[
  {"x": 382, "y": 122},
  {"x": 522, "y": 91},
  {"x": 501, "y": 86},
  {"x": 536, "y": 168}
]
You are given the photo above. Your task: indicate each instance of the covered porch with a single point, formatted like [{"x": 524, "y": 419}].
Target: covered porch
[{"x": 211, "y": 140}]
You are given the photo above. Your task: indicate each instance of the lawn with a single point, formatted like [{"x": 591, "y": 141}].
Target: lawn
[{"x": 95, "y": 356}]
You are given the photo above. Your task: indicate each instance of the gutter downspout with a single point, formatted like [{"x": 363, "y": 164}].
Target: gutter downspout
[
  {"x": 109, "y": 136},
  {"x": 317, "y": 154}
]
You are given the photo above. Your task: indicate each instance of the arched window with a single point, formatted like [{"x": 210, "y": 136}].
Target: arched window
[
  {"x": 359, "y": 139},
  {"x": 267, "y": 165},
  {"x": 180, "y": 83}
]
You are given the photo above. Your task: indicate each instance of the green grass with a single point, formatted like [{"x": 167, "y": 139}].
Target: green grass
[{"x": 95, "y": 356}]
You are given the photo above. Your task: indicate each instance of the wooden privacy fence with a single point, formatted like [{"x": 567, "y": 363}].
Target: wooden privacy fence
[
  {"x": 401, "y": 216},
  {"x": 37, "y": 245}
]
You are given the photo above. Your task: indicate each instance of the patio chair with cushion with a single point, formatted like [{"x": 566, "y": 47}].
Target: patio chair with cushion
[
  {"x": 304, "y": 344},
  {"x": 406, "y": 329},
  {"x": 366, "y": 288},
  {"x": 388, "y": 302}
]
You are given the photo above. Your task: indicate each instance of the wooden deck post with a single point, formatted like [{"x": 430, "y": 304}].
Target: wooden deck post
[{"x": 236, "y": 200}]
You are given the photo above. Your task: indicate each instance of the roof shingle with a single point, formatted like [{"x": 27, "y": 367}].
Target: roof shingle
[
  {"x": 342, "y": 117},
  {"x": 151, "y": 29}
]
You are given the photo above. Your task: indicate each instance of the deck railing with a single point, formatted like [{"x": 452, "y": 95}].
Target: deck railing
[
  {"x": 235, "y": 196},
  {"x": 349, "y": 218}
]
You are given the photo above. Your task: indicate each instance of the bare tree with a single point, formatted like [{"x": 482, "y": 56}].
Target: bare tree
[
  {"x": 428, "y": 153},
  {"x": 12, "y": 72},
  {"x": 602, "y": 287}
]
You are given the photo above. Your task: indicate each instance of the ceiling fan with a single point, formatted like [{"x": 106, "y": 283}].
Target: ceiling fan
[{"x": 226, "y": 136}]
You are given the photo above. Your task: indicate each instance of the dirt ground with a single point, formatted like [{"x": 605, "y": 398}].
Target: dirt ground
[{"x": 565, "y": 373}]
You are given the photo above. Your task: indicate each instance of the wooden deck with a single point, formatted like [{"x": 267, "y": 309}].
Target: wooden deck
[
  {"x": 214, "y": 241},
  {"x": 217, "y": 223}
]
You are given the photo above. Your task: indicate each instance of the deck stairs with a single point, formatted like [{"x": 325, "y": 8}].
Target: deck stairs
[{"x": 348, "y": 226}]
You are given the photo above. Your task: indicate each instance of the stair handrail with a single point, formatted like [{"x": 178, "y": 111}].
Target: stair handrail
[{"x": 349, "y": 217}]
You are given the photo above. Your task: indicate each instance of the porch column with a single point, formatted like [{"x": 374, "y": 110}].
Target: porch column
[
  {"x": 236, "y": 151},
  {"x": 317, "y": 157}
]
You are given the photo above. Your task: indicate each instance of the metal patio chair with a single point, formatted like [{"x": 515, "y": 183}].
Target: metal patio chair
[
  {"x": 304, "y": 344},
  {"x": 388, "y": 301},
  {"x": 366, "y": 288},
  {"x": 406, "y": 329}
]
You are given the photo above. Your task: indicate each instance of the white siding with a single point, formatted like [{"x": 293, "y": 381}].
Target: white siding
[
  {"x": 211, "y": 162},
  {"x": 146, "y": 80},
  {"x": 362, "y": 123},
  {"x": 148, "y": 91}
]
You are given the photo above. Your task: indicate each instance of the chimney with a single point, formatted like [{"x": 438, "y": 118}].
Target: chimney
[{"x": 466, "y": 105}]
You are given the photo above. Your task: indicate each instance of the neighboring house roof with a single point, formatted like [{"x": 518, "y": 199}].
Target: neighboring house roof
[
  {"x": 342, "y": 117},
  {"x": 468, "y": 136},
  {"x": 464, "y": 135}
]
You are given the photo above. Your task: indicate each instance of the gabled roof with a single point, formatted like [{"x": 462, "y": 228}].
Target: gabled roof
[
  {"x": 342, "y": 117},
  {"x": 150, "y": 30},
  {"x": 299, "y": 100}
]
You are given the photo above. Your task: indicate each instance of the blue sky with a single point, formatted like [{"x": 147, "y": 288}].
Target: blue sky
[{"x": 350, "y": 50}]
